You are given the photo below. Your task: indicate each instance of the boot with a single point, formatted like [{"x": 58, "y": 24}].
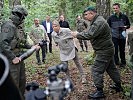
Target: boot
[
  {"x": 116, "y": 87},
  {"x": 96, "y": 95},
  {"x": 86, "y": 49},
  {"x": 39, "y": 63}
]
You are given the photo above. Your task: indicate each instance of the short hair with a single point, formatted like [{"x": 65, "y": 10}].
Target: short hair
[
  {"x": 116, "y": 4},
  {"x": 55, "y": 22},
  {"x": 36, "y": 19}
]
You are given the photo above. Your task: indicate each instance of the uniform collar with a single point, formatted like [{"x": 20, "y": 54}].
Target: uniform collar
[{"x": 95, "y": 17}]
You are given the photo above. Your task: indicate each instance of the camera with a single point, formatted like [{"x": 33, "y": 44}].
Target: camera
[
  {"x": 42, "y": 42},
  {"x": 56, "y": 88}
]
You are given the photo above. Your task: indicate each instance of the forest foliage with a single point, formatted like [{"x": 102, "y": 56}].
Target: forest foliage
[{"x": 54, "y": 8}]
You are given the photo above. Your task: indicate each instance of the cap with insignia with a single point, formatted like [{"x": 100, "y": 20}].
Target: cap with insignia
[{"x": 90, "y": 8}]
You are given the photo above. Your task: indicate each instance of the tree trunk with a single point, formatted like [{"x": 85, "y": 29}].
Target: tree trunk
[
  {"x": 103, "y": 8},
  {"x": 62, "y": 8}
]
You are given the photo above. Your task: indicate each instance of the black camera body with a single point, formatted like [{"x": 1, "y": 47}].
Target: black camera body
[
  {"x": 53, "y": 71},
  {"x": 56, "y": 88},
  {"x": 42, "y": 42}
]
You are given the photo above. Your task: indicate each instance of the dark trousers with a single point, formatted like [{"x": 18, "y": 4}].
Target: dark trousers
[
  {"x": 104, "y": 63},
  {"x": 50, "y": 43},
  {"x": 43, "y": 53},
  {"x": 119, "y": 45},
  {"x": 83, "y": 43}
]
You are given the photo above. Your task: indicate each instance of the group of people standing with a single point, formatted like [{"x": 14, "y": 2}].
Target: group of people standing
[
  {"x": 107, "y": 39},
  {"x": 41, "y": 31}
]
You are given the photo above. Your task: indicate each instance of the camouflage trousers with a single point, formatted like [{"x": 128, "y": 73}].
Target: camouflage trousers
[
  {"x": 101, "y": 64},
  {"x": 18, "y": 74},
  {"x": 83, "y": 43}
]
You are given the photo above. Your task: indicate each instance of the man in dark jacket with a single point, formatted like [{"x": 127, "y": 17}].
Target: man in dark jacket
[
  {"x": 118, "y": 23},
  {"x": 63, "y": 23},
  {"x": 100, "y": 37}
]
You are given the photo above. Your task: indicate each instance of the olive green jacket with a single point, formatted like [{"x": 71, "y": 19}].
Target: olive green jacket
[
  {"x": 10, "y": 40},
  {"x": 99, "y": 35}
]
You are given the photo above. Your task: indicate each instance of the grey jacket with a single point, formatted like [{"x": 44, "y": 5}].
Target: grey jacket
[{"x": 65, "y": 42}]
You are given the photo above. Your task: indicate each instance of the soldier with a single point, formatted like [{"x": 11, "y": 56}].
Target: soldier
[
  {"x": 11, "y": 44},
  {"x": 81, "y": 26},
  {"x": 68, "y": 51},
  {"x": 99, "y": 35},
  {"x": 38, "y": 35}
]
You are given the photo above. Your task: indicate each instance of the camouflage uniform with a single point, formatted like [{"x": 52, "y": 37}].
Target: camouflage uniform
[
  {"x": 81, "y": 26},
  {"x": 11, "y": 42},
  {"x": 38, "y": 34},
  {"x": 100, "y": 37}
]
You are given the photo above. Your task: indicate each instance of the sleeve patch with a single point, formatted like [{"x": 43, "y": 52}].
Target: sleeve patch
[{"x": 6, "y": 30}]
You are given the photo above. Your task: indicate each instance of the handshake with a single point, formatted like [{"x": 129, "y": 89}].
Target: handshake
[{"x": 74, "y": 33}]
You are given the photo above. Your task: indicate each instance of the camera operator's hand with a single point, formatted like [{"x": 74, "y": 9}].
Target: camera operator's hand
[{"x": 16, "y": 60}]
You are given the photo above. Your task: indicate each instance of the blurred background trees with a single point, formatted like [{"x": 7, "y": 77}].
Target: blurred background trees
[{"x": 69, "y": 8}]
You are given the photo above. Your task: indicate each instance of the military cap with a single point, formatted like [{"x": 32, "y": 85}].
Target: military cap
[{"x": 90, "y": 8}]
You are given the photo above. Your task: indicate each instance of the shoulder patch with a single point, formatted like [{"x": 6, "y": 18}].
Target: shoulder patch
[{"x": 5, "y": 29}]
